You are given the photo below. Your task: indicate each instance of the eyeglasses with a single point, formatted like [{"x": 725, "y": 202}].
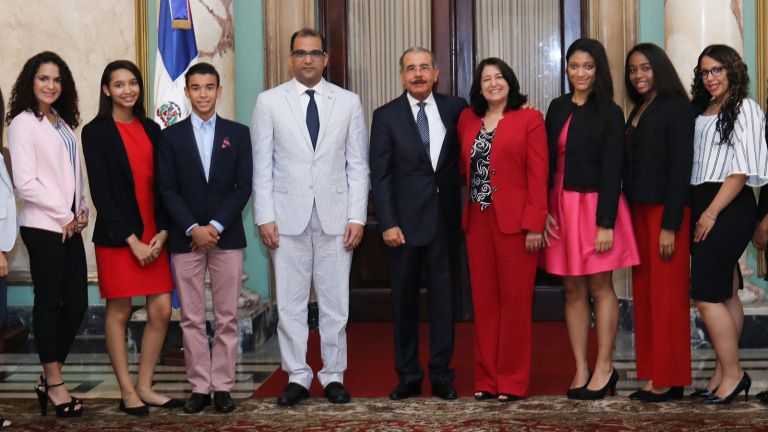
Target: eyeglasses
[
  {"x": 715, "y": 72},
  {"x": 421, "y": 68},
  {"x": 315, "y": 54}
]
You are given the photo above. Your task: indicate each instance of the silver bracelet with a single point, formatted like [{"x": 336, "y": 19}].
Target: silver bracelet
[{"x": 709, "y": 215}]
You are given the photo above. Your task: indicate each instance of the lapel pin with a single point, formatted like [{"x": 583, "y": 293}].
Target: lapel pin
[{"x": 226, "y": 143}]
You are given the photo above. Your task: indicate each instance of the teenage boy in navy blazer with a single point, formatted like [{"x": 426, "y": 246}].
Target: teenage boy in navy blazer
[{"x": 205, "y": 171}]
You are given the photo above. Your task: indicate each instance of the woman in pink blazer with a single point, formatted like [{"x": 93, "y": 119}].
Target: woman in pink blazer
[{"x": 46, "y": 172}]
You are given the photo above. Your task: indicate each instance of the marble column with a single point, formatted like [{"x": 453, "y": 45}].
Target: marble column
[
  {"x": 691, "y": 25},
  {"x": 614, "y": 23},
  {"x": 281, "y": 19}
]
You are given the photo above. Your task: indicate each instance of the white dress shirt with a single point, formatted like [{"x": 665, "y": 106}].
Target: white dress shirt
[
  {"x": 301, "y": 89},
  {"x": 204, "y": 131},
  {"x": 436, "y": 126}
]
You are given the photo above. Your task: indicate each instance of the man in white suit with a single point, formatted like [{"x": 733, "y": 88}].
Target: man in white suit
[{"x": 310, "y": 188}]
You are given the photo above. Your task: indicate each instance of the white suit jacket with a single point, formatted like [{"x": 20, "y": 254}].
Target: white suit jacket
[
  {"x": 8, "y": 226},
  {"x": 289, "y": 176}
]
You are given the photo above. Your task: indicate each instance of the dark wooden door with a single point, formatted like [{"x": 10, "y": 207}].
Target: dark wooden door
[{"x": 453, "y": 42}]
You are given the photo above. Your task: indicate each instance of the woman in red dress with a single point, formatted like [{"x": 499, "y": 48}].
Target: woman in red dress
[{"x": 119, "y": 146}]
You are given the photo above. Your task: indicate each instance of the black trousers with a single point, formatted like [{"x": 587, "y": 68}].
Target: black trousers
[
  {"x": 438, "y": 261},
  {"x": 59, "y": 276}
]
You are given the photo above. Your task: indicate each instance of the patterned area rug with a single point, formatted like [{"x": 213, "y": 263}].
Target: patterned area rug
[{"x": 419, "y": 414}]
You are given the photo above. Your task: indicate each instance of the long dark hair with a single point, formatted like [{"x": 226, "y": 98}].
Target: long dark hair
[
  {"x": 738, "y": 88},
  {"x": 666, "y": 82},
  {"x": 515, "y": 99},
  {"x": 601, "y": 97},
  {"x": 23, "y": 95},
  {"x": 105, "y": 102}
]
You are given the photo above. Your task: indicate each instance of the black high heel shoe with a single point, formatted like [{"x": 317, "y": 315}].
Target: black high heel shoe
[
  {"x": 64, "y": 410},
  {"x": 744, "y": 384},
  {"x": 703, "y": 393},
  {"x": 573, "y": 393},
  {"x": 610, "y": 386}
]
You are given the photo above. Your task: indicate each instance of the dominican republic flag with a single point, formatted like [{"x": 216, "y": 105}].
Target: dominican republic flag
[{"x": 176, "y": 52}]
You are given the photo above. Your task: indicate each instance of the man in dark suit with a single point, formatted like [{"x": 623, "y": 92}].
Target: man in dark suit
[
  {"x": 205, "y": 170},
  {"x": 416, "y": 192}
]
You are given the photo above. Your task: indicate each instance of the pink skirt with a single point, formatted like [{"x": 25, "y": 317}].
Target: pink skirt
[{"x": 574, "y": 253}]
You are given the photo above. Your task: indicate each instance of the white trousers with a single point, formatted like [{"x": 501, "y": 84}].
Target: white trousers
[{"x": 312, "y": 256}]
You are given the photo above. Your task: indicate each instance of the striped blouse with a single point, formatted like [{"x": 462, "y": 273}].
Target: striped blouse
[{"x": 747, "y": 153}]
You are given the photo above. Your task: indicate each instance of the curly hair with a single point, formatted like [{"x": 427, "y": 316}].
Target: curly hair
[
  {"x": 23, "y": 95},
  {"x": 738, "y": 88},
  {"x": 2, "y": 113},
  {"x": 601, "y": 97}
]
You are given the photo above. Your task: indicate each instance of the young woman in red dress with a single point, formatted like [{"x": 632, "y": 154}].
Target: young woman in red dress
[{"x": 119, "y": 146}]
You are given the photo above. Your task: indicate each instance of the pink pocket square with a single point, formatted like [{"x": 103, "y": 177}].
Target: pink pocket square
[{"x": 226, "y": 143}]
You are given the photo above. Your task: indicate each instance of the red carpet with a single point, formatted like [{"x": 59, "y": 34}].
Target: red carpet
[{"x": 371, "y": 370}]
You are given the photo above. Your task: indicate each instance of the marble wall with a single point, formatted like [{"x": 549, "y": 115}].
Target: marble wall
[{"x": 87, "y": 35}]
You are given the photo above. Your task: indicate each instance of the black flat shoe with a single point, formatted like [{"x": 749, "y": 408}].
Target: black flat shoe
[
  {"x": 484, "y": 395},
  {"x": 763, "y": 397},
  {"x": 609, "y": 387},
  {"x": 139, "y": 411},
  {"x": 674, "y": 393},
  {"x": 444, "y": 390},
  {"x": 169, "y": 404},
  {"x": 744, "y": 384},
  {"x": 336, "y": 393},
  {"x": 292, "y": 395},
  {"x": 222, "y": 402},
  {"x": 639, "y": 395},
  {"x": 703, "y": 393},
  {"x": 509, "y": 397},
  {"x": 405, "y": 390},
  {"x": 573, "y": 393},
  {"x": 197, "y": 402}
]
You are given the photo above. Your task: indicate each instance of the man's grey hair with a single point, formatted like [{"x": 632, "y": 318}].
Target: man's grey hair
[{"x": 417, "y": 49}]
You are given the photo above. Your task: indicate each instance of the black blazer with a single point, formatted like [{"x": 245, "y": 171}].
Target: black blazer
[
  {"x": 190, "y": 198},
  {"x": 591, "y": 165},
  {"x": 404, "y": 184},
  {"x": 660, "y": 157},
  {"x": 111, "y": 182}
]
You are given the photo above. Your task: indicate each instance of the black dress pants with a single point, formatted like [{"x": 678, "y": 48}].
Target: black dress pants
[
  {"x": 438, "y": 260},
  {"x": 59, "y": 276}
]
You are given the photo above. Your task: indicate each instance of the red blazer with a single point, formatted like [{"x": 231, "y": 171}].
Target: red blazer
[{"x": 519, "y": 168}]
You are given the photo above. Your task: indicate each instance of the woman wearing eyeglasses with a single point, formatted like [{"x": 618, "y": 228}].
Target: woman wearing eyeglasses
[{"x": 729, "y": 154}]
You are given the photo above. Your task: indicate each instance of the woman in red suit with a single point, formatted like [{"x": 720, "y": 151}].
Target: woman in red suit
[
  {"x": 504, "y": 159},
  {"x": 119, "y": 146}
]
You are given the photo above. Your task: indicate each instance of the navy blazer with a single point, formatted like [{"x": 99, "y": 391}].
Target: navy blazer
[
  {"x": 111, "y": 182},
  {"x": 404, "y": 184},
  {"x": 190, "y": 198}
]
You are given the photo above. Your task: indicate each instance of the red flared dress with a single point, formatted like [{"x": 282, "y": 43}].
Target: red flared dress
[{"x": 120, "y": 274}]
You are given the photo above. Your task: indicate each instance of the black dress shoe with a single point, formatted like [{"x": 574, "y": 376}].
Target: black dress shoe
[
  {"x": 139, "y": 411},
  {"x": 405, "y": 390},
  {"x": 763, "y": 397},
  {"x": 484, "y": 395},
  {"x": 444, "y": 390},
  {"x": 336, "y": 393},
  {"x": 573, "y": 393},
  {"x": 292, "y": 394},
  {"x": 222, "y": 401},
  {"x": 609, "y": 387},
  {"x": 197, "y": 402},
  {"x": 639, "y": 395},
  {"x": 509, "y": 397}
]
